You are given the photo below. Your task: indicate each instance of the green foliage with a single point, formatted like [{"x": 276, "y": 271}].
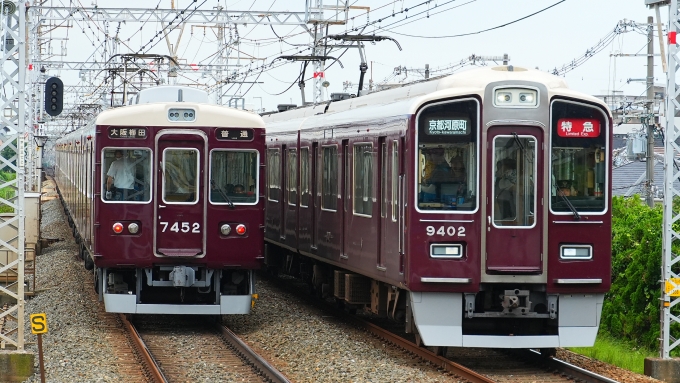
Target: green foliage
[
  {"x": 608, "y": 349},
  {"x": 631, "y": 309},
  {"x": 7, "y": 193}
]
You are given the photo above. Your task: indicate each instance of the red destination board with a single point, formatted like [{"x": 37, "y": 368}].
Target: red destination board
[{"x": 578, "y": 127}]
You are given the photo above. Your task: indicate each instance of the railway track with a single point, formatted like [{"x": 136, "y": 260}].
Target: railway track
[
  {"x": 188, "y": 349},
  {"x": 475, "y": 365}
]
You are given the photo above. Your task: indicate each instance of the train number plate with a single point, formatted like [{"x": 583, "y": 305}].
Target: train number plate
[
  {"x": 181, "y": 227},
  {"x": 450, "y": 231}
]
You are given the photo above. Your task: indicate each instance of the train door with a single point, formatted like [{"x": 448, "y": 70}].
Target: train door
[
  {"x": 180, "y": 194},
  {"x": 283, "y": 196},
  {"x": 315, "y": 199},
  {"x": 515, "y": 171},
  {"x": 381, "y": 195},
  {"x": 346, "y": 198}
]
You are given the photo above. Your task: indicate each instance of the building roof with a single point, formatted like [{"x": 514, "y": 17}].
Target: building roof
[{"x": 630, "y": 178}]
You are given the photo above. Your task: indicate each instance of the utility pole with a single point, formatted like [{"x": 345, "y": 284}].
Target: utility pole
[{"x": 650, "y": 110}]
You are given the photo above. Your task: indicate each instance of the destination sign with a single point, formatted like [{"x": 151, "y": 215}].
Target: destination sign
[
  {"x": 118, "y": 132},
  {"x": 234, "y": 134},
  {"x": 446, "y": 127},
  {"x": 578, "y": 127}
]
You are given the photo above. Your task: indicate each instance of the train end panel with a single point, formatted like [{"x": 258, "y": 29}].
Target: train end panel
[{"x": 440, "y": 319}]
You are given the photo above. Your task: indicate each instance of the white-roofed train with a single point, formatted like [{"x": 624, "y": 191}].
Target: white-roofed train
[
  {"x": 164, "y": 199},
  {"x": 475, "y": 208}
]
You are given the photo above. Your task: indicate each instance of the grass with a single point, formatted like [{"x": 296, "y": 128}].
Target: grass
[
  {"x": 617, "y": 352},
  {"x": 7, "y": 193}
]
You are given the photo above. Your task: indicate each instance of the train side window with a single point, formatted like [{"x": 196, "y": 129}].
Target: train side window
[
  {"x": 304, "y": 177},
  {"x": 395, "y": 180},
  {"x": 329, "y": 182},
  {"x": 180, "y": 175},
  {"x": 233, "y": 176},
  {"x": 363, "y": 179},
  {"x": 292, "y": 177},
  {"x": 273, "y": 174},
  {"x": 127, "y": 175}
]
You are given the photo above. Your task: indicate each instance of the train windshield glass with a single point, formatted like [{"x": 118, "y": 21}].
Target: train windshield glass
[
  {"x": 233, "y": 176},
  {"x": 579, "y": 158},
  {"x": 180, "y": 181},
  {"x": 447, "y": 157},
  {"x": 127, "y": 176}
]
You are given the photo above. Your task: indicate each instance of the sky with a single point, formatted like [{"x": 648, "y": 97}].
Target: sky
[{"x": 543, "y": 34}]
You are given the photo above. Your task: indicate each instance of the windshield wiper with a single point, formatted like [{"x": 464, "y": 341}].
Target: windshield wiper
[
  {"x": 566, "y": 200},
  {"x": 517, "y": 140},
  {"x": 222, "y": 193}
]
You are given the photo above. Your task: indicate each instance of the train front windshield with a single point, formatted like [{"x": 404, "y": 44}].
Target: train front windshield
[
  {"x": 447, "y": 157},
  {"x": 233, "y": 176},
  {"x": 579, "y": 158}
]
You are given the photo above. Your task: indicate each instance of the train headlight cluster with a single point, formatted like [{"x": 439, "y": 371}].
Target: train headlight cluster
[
  {"x": 240, "y": 229},
  {"x": 576, "y": 252},
  {"x": 184, "y": 115},
  {"x": 132, "y": 227},
  {"x": 515, "y": 98}
]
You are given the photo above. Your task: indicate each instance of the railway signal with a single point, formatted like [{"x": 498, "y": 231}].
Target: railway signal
[{"x": 54, "y": 96}]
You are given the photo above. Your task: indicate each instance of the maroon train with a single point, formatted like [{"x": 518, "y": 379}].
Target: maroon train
[
  {"x": 163, "y": 196},
  {"x": 475, "y": 208}
]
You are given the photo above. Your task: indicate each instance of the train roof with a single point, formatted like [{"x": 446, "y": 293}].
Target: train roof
[
  {"x": 156, "y": 114},
  {"x": 407, "y": 99}
]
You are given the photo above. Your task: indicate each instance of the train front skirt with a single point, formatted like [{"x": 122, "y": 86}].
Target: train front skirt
[
  {"x": 130, "y": 303},
  {"x": 439, "y": 319}
]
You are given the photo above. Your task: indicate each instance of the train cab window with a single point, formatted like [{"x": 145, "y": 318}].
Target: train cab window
[
  {"x": 579, "y": 156},
  {"x": 329, "y": 181},
  {"x": 514, "y": 189},
  {"x": 233, "y": 177},
  {"x": 273, "y": 174},
  {"x": 291, "y": 183},
  {"x": 363, "y": 180},
  {"x": 304, "y": 177},
  {"x": 447, "y": 157},
  {"x": 180, "y": 175},
  {"x": 127, "y": 175}
]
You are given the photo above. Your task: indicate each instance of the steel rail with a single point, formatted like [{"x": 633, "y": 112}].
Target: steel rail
[
  {"x": 151, "y": 365},
  {"x": 575, "y": 372},
  {"x": 423, "y": 353},
  {"x": 259, "y": 364}
]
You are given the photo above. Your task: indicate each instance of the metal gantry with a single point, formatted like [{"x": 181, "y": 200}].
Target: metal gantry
[
  {"x": 13, "y": 148},
  {"x": 671, "y": 237}
]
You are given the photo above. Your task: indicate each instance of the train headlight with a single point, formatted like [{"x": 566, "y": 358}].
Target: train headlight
[
  {"x": 576, "y": 252},
  {"x": 241, "y": 229},
  {"x": 503, "y": 97},
  {"x": 133, "y": 228},
  {"x": 225, "y": 229},
  {"x": 446, "y": 251},
  {"x": 117, "y": 227},
  {"x": 526, "y": 98}
]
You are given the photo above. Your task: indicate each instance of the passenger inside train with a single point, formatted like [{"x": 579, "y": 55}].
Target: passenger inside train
[{"x": 444, "y": 181}]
